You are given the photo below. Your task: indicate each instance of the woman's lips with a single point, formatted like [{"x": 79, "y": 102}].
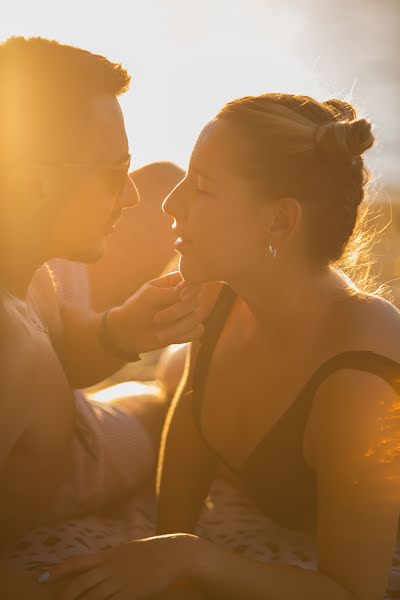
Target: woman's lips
[{"x": 182, "y": 244}]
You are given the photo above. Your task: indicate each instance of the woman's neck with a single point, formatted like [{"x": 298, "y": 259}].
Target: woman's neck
[{"x": 291, "y": 305}]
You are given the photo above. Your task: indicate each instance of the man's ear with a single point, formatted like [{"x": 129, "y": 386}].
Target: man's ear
[
  {"x": 287, "y": 217},
  {"x": 36, "y": 197},
  {"x": 28, "y": 183}
]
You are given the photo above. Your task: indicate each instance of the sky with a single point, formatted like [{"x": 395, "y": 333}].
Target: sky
[{"x": 188, "y": 57}]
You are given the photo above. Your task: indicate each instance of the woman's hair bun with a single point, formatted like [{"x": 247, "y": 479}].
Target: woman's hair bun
[
  {"x": 343, "y": 139},
  {"x": 341, "y": 110}
]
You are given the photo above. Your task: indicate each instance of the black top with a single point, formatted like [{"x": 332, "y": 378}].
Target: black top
[{"x": 276, "y": 475}]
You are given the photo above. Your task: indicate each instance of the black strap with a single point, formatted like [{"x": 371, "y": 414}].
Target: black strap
[
  {"x": 213, "y": 327},
  {"x": 360, "y": 360}
]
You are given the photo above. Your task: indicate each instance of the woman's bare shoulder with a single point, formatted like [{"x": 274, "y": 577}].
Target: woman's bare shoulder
[{"x": 378, "y": 325}]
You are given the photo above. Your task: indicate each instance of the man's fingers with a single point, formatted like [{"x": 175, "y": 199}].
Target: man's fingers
[
  {"x": 169, "y": 280},
  {"x": 195, "y": 334},
  {"x": 159, "y": 298},
  {"x": 172, "y": 336},
  {"x": 188, "y": 289},
  {"x": 80, "y": 585},
  {"x": 106, "y": 589},
  {"x": 175, "y": 312},
  {"x": 70, "y": 567},
  {"x": 178, "y": 328}
]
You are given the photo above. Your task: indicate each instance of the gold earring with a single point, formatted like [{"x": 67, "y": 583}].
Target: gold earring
[{"x": 272, "y": 251}]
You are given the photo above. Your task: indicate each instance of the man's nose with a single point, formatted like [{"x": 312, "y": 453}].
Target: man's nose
[{"x": 129, "y": 196}]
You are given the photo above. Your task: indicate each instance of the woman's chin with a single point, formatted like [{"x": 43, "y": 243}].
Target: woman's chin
[{"x": 191, "y": 273}]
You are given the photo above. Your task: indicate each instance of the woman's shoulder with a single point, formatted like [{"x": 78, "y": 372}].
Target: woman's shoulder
[
  {"x": 358, "y": 390},
  {"x": 367, "y": 335},
  {"x": 376, "y": 325}
]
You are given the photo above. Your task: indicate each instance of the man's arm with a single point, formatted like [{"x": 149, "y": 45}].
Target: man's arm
[
  {"x": 83, "y": 358},
  {"x": 16, "y": 412},
  {"x": 74, "y": 330}
]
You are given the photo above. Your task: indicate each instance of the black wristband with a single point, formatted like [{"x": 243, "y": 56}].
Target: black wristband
[{"x": 108, "y": 344}]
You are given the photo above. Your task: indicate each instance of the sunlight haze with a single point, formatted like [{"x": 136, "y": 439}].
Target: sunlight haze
[{"x": 188, "y": 58}]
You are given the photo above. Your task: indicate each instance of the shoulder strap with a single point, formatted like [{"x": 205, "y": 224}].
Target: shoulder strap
[
  {"x": 361, "y": 360},
  {"x": 213, "y": 328}
]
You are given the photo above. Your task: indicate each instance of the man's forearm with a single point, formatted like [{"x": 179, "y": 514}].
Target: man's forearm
[
  {"x": 83, "y": 357},
  {"x": 157, "y": 315},
  {"x": 224, "y": 574}
]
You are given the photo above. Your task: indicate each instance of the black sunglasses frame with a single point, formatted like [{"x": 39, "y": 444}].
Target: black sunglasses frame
[{"x": 122, "y": 166}]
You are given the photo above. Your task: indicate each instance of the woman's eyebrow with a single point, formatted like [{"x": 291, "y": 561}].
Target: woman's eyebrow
[{"x": 203, "y": 174}]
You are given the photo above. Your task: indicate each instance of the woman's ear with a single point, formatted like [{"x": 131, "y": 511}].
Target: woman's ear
[{"x": 286, "y": 219}]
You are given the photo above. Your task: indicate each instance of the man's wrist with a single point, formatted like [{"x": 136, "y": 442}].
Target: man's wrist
[{"x": 109, "y": 340}]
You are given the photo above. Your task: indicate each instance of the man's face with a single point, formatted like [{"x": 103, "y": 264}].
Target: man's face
[{"x": 96, "y": 194}]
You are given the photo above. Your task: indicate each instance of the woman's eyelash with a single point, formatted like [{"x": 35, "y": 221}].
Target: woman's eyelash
[{"x": 201, "y": 191}]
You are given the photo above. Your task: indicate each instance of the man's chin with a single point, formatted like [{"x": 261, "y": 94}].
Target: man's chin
[
  {"x": 88, "y": 255},
  {"x": 191, "y": 273}
]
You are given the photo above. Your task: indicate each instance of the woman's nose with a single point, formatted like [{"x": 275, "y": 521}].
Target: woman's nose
[
  {"x": 173, "y": 205},
  {"x": 129, "y": 196}
]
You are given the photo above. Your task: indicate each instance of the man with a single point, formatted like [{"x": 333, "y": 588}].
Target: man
[{"x": 64, "y": 181}]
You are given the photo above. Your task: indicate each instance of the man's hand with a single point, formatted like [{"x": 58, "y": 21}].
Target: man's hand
[
  {"x": 163, "y": 311},
  {"x": 16, "y": 583},
  {"x": 133, "y": 571}
]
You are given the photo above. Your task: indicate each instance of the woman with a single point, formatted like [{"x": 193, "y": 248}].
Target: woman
[{"x": 295, "y": 384}]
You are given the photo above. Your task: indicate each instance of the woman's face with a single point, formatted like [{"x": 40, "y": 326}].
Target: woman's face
[{"x": 220, "y": 219}]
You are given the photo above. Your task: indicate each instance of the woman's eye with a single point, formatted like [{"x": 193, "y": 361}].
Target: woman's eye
[{"x": 199, "y": 185}]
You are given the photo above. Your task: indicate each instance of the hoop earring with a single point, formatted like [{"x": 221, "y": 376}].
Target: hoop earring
[{"x": 272, "y": 251}]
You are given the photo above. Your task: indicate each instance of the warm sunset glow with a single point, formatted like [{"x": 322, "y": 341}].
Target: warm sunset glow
[
  {"x": 200, "y": 329},
  {"x": 124, "y": 390},
  {"x": 386, "y": 446},
  {"x": 188, "y": 58}
]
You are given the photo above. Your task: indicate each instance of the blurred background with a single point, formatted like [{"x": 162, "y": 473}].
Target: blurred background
[{"x": 187, "y": 58}]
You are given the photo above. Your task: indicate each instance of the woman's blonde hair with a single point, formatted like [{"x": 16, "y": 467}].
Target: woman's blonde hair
[{"x": 311, "y": 151}]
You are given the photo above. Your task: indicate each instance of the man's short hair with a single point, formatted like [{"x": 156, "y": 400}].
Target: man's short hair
[{"x": 46, "y": 88}]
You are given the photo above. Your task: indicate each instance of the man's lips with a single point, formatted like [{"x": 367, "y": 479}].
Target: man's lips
[{"x": 112, "y": 222}]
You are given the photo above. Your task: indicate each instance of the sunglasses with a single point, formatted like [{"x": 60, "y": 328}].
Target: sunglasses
[{"x": 115, "y": 173}]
